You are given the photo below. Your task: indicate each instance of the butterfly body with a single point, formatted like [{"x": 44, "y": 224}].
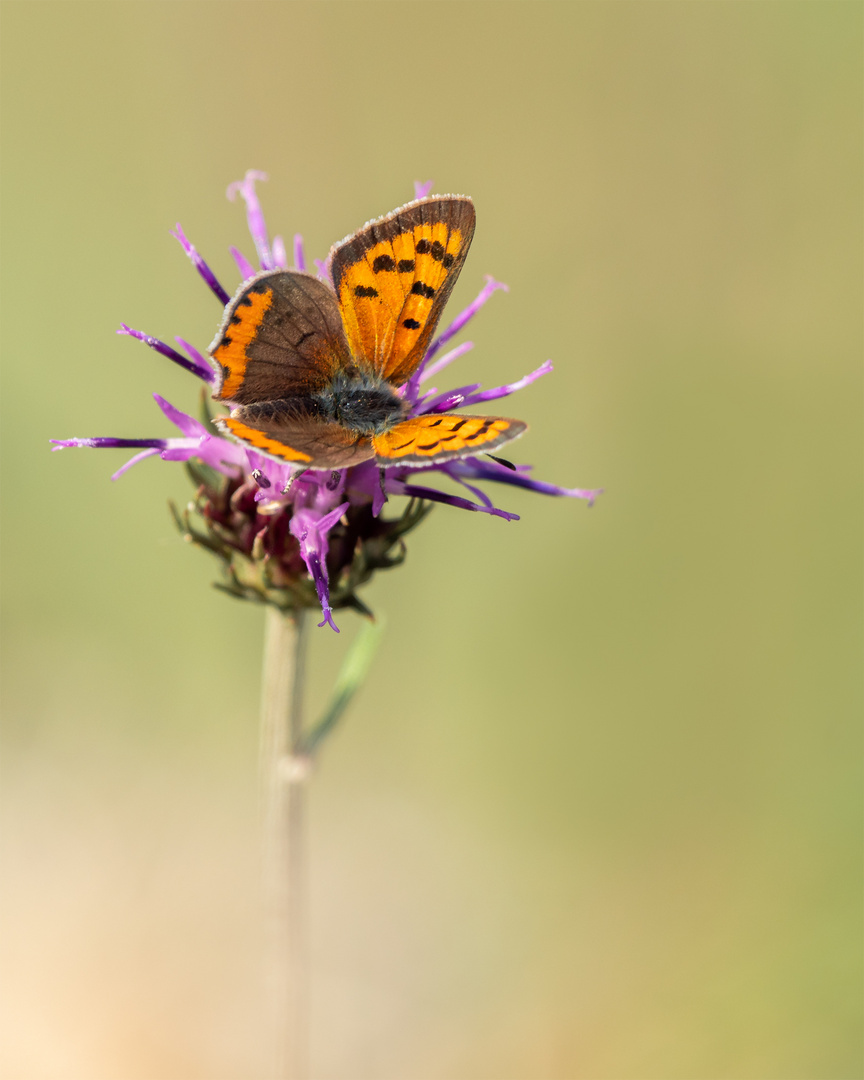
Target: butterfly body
[
  {"x": 363, "y": 403},
  {"x": 312, "y": 372}
]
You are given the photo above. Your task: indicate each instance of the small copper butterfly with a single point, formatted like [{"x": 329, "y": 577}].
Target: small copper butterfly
[{"x": 312, "y": 374}]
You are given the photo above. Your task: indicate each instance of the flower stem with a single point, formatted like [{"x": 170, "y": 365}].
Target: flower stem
[{"x": 283, "y": 787}]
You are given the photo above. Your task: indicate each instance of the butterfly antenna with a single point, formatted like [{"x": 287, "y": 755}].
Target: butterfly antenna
[{"x": 292, "y": 480}]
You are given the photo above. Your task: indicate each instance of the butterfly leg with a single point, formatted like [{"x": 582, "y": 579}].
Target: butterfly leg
[
  {"x": 292, "y": 480},
  {"x": 381, "y": 477}
]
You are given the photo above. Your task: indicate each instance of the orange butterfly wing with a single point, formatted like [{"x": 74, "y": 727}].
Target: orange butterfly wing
[
  {"x": 437, "y": 437},
  {"x": 394, "y": 277}
]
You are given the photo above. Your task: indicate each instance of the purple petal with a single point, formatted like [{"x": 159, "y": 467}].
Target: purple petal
[
  {"x": 477, "y": 492},
  {"x": 422, "y": 188},
  {"x": 322, "y": 269},
  {"x": 478, "y": 470},
  {"x": 326, "y": 523},
  {"x": 446, "y": 359},
  {"x": 311, "y": 531},
  {"x": 207, "y": 372},
  {"x": 465, "y": 316},
  {"x": 109, "y": 443},
  {"x": 201, "y": 266},
  {"x": 187, "y": 424},
  {"x": 183, "y": 449},
  {"x": 220, "y": 454},
  {"x": 280, "y": 255},
  {"x": 433, "y": 495},
  {"x": 166, "y": 350},
  {"x": 453, "y": 399},
  {"x": 299, "y": 253},
  {"x": 411, "y": 389},
  {"x": 246, "y": 268},
  {"x": 317, "y": 568},
  {"x": 254, "y": 216},
  {"x": 133, "y": 461},
  {"x": 509, "y": 388}
]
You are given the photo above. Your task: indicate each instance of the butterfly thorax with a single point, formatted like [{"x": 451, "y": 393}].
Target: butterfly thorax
[{"x": 361, "y": 402}]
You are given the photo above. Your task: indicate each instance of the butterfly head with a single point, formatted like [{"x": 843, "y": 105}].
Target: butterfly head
[{"x": 361, "y": 402}]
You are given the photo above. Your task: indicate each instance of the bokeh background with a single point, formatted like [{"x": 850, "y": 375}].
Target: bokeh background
[{"x": 605, "y": 822}]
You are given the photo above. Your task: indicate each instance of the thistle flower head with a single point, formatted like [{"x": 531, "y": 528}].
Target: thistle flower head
[{"x": 295, "y": 538}]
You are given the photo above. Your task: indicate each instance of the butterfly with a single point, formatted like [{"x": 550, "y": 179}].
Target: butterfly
[{"x": 312, "y": 373}]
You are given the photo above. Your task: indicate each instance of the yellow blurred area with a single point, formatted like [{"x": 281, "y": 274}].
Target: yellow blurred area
[{"x": 596, "y": 812}]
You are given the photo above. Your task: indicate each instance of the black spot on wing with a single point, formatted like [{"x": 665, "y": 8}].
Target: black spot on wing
[
  {"x": 365, "y": 290},
  {"x": 411, "y": 324},
  {"x": 383, "y": 263},
  {"x": 405, "y": 266},
  {"x": 437, "y": 251},
  {"x": 423, "y": 247},
  {"x": 419, "y": 289}
]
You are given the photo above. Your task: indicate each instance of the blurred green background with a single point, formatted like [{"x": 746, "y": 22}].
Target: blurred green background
[{"x": 612, "y": 831}]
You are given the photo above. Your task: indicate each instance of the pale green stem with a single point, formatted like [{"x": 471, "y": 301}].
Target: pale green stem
[{"x": 283, "y": 776}]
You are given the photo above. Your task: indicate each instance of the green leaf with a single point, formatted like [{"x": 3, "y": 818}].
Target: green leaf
[{"x": 351, "y": 678}]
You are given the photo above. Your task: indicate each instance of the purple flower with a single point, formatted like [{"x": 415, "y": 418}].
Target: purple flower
[{"x": 298, "y": 540}]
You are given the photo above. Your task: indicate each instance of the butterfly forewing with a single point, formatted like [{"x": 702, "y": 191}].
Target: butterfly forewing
[
  {"x": 433, "y": 438},
  {"x": 393, "y": 279},
  {"x": 282, "y": 336}
]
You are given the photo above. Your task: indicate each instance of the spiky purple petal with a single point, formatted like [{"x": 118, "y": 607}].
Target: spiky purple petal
[
  {"x": 433, "y": 495},
  {"x": 201, "y": 266},
  {"x": 167, "y": 351},
  {"x": 247, "y": 270},
  {"x": 311, "y": 528},
  {"x": 280, "y": 255},
  {"x": 465, "y": 316},
  {"x": 133, "y": 461},
  {"x": 106, "y": 442},
  {"x": 500, "y": 474},
  {"x": 299, "y": 252},
  {"x": 509, "y": 388},
  {"x": 245, "y": 188},
  {"x": 445, "y": 360},
  {"x": 453, "y": 399},
  {"x": 206, "y": 371}
]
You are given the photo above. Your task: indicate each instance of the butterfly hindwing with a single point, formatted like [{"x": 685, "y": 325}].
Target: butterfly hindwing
[
  {"x": 281, "y": 336},
  {"x": 393, "y": 278},
  {"x": 433, "y": 438},
  {"x": 277, "y": 430}
]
